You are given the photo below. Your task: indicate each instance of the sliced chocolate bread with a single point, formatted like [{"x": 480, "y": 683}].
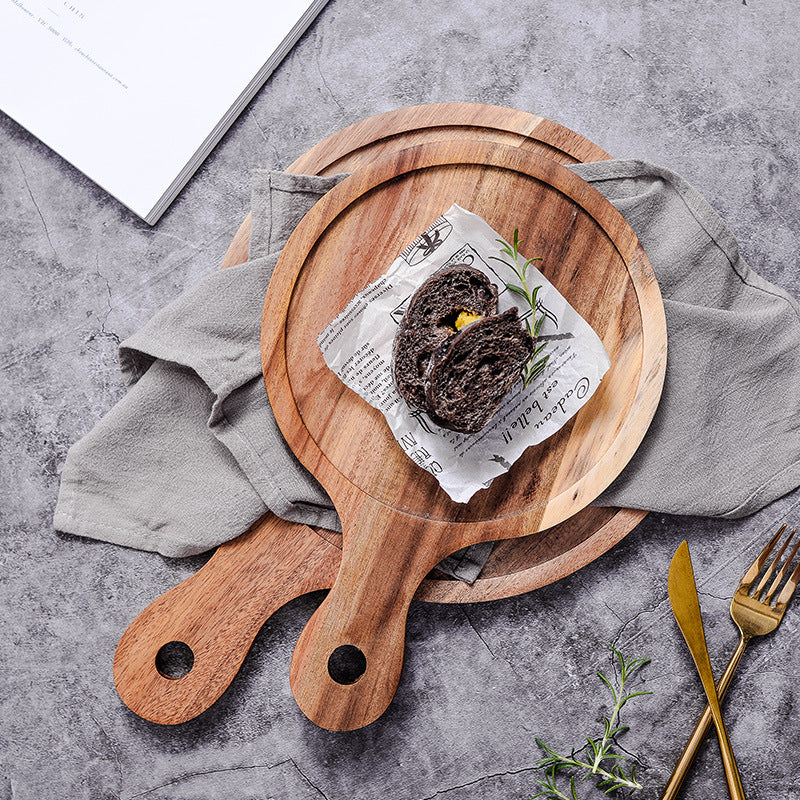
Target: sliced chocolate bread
[
  {"x": 471, "y": 372},
  {"x": 454, "y": 357},
  {"x": 431, "y": 316}
]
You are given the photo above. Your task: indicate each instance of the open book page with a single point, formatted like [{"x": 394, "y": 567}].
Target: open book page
[{"x": 132, "y": 92}]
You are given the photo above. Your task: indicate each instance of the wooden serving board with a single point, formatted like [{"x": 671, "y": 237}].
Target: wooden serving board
[
  {"x": 218, "y": 611},
  {"x": 397, "y": 522},
  {"x": 524, "y": 563}
]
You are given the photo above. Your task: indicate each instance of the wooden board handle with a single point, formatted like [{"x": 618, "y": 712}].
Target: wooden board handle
[
  {"x": 347, "y": 662},
  {"x": 213, "y": 616}
]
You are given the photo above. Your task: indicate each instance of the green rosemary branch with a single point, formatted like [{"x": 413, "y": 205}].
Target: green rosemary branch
[
  {"x": 536, "y": 364},
  {"x": 592, "y": 759}
]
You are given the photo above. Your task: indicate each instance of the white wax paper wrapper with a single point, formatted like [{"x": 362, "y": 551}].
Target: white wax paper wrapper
[{"x": 357, "y": 346}]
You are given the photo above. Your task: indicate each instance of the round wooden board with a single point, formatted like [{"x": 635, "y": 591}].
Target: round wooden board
[
  {"x": 397, "y": 522},
  {"x": 525, "y": 562},
  {"x": 588, "y": 252}
]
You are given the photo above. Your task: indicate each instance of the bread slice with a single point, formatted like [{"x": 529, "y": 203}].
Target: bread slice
[
  {"x": 458, "y": 375},
  {"x": 471, "y": 371},
  {"x": 431, "y": 318}
]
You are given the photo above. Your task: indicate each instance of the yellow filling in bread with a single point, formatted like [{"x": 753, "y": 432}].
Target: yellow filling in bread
[{"x": 464, "y": 318}]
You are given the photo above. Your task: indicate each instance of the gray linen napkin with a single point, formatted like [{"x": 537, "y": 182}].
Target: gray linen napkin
[
  {"x": 725, "y": 440},
  {"x": 192, "y": 456}
]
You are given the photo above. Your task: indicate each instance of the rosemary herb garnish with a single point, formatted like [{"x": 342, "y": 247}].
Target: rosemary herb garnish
[
  {"x": 592, "y": 759},
  {"x": 536, "y": 364}
]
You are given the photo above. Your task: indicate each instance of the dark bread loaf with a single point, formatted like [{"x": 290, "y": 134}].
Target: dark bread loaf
[
  {"x": 472, "y": 371},
  {"x": 458, "y": 373},
  {"x": 430, "y": 319}
]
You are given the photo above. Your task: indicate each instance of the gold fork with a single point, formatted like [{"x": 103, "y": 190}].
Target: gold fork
[{"x": 754, "y": 616}]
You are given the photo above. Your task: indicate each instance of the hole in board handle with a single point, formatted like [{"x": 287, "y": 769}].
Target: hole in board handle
[
  {"x": 346, "y": 664},
  {"x": 174, "y": 660}
]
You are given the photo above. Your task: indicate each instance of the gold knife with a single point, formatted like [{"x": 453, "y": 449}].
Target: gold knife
[{"x": 686, "y": 608}]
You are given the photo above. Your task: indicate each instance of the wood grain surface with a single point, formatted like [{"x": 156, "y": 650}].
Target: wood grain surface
[
  {"x": 217, "y": 613},
  {"x": 221, "y": 634},
  {"x": 589, "y": 253},
  {"x": 521, "y": 564},
  {"x": 361, "y": 143}
]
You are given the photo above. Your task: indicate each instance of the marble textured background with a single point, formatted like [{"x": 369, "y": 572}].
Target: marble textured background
[{"x": 709, "y": 89}]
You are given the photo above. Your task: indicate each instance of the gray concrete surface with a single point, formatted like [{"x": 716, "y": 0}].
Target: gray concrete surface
[{"x": 709, "y": 89}]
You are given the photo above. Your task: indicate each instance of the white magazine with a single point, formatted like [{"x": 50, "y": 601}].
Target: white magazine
[{"x": 136, "y": 94}]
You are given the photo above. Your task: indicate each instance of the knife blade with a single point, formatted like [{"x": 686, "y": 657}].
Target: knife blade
[{"x": 686, "y": 608}]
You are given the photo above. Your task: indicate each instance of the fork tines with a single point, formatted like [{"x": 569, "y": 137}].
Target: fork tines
[{"x": 755, "y": 569}]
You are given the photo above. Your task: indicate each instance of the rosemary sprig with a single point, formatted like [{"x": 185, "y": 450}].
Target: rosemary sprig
[
  {"x": 535, "y": 365},
  {"x": 592, "y": 757}
]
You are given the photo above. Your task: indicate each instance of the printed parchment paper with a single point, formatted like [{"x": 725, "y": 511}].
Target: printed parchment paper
[{"x": 357, "y": 346}]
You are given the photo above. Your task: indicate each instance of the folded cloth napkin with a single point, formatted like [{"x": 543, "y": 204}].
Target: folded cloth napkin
[{"x": 192, "y": 456}]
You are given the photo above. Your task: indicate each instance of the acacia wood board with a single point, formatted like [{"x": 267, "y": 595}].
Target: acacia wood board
[
  {"x": 524, "y": 563},
  {"x": 397, "y": 522},
  {"x": 218, "y": 611}
]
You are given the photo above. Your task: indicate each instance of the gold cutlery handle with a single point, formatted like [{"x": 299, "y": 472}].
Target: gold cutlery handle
[
  {"x": 701, "y": 729},
  {"x": 735, "y": 788}
]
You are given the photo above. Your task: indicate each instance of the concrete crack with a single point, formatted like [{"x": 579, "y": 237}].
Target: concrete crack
[
  {"x": 188, "y": 775},
  {"x": 108, "y": 287},
  {"x": 305, "y": 778},
  {"x": 258, "y": 125},
  {"x": 589, "y": 592},
  {"x": 36, "y": 206},
  {"x": 711, "y": 594},
  {"x": 441, "y": 792},
  {"x": 735, "y": 107},
  {"x": 324, "y": 82},
  {"x": 109, "y": 308},
  {"x": 648, "y": 610},
  {"x": 779, "y": 213},
  {"x": 276, "y": 155},
  {"x": 477, "y": 633},
  {"x": 486, "y": 645}
]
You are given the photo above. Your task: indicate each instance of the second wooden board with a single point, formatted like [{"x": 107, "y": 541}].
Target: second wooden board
[{"x": 524, "y": 563}]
